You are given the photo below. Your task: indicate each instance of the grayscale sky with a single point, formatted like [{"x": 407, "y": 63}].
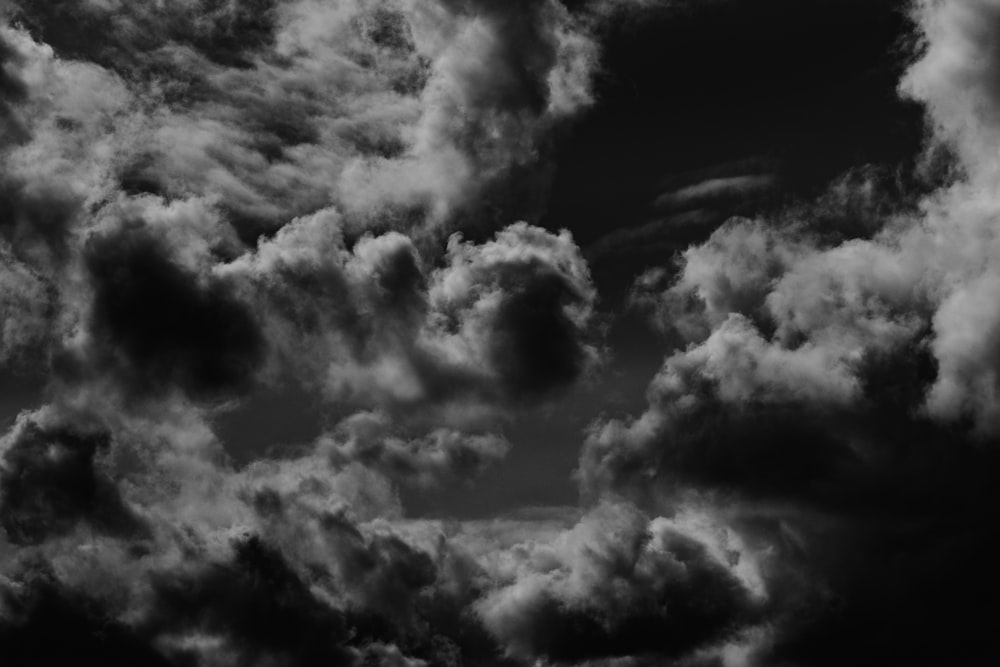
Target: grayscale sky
[{"x": 522, "y": 333}]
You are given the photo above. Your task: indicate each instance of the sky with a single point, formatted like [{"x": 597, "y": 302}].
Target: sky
[{"x": 499, "y": 333}]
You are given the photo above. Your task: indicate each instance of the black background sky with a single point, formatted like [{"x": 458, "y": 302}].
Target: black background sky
[{"x": 800, "y": 90}]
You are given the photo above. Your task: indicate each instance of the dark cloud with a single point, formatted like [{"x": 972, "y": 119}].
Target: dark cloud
[
  {"x": 51, "y": 481},
  {"x": 535, "y": 341},
  {"x": 253, "y": 609},
  {"x": 877, "y": 518},
  {"x": 306, "y": 581},
  {"x": 27, "y": 313},
  {"x": 12, "y": 90},
  {"x": 263, "y": 612},
  {"x": 161, "y": 325},
  {"x": 36, "y": 218},
  {"x": 44, "y": 623},
  {"x": 891, "y": 581}
]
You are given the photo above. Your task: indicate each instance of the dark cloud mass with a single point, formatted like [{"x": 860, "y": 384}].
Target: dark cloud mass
[
  {"x": 51, "y": 482},
  {"x": 210, "y": 210},
  {"x": 166, "y": 326}
]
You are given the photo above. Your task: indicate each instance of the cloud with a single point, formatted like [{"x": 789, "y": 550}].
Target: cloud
[
  {"x": 955, "y": 78},
  {"x": 75, "y": 117},
  {"x": 527, "y": 297},
  {"x": 26, "y": 311},
  {"x": 714, "y": 189},
  {"x": 304, "y": 559},
  {"x": 148, "y": 165},
  {"x": 159, "y": 324},
  {"x": 729, "y": 273},
  {"x": 618, "y": 584},
  {"x": 39, "y": 604},
  {"x": 203, "y": 199},
  {"x": 837, "y": 379},
  {"x": 400, "y": 113},
  {"x": 501, "y": 323},
  {"x": 253, "y": 609},
  {"x": 440, "y": 456},
  {"x": 50, "y": 481},
  {"x": 201, "y": 576},
  {"x": 207, "y": 198}
]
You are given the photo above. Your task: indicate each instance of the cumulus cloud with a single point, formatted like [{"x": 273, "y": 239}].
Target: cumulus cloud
[
  {"x": 157, "y": 323},
  {"x": 182, "y": 559},
  {"x": 442, "y": 455},
  {"x": 840, "y": 377},
  {"x": 149, "y": 162},
  {"x": 500, "y": 323},
  {"x": 400, "y": 112},
  {"x": 200, "y": 199},
  {"x": 619, "y": 584},
  {"x": 305, "y": 561}
]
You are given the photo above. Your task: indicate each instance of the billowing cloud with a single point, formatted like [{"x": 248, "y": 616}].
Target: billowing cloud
[
  {"x": 618, "y": 584},
  {"x": 153, "y": 158},
  {"x": 307, "y": 561},
  {"x": 500, "y": 323},
  {"x": 841, "y": 380},
  {"x": 200, "y": 199}
]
